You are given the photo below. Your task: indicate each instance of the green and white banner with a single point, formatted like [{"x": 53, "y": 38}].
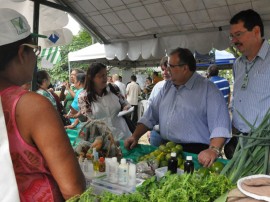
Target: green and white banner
[{"x": 50, "y": 56}]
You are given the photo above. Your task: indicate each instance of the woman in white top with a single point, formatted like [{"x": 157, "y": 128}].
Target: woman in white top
[{"x": 98, "y": 101}]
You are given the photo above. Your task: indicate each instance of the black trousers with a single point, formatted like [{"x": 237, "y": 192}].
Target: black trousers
[
  {"x": 134, "y": 115},
  {"x": 230, "y": 147},
  {"x": 195, "y": 148}
]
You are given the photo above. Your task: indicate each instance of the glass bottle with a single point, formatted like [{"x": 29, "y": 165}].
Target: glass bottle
[
  {"x": 172, "y": 163},
  {"x": 189, "y": 165}
]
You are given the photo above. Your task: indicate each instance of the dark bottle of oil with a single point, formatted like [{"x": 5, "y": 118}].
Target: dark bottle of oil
[
  {"x": 189, "y": 165},
  {"x": 172, "y": 163}
]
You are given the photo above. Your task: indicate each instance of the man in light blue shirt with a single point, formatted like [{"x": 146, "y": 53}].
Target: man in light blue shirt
[
  {"x": 251, "y": 72},
  {"x": 189, "y": 109}
]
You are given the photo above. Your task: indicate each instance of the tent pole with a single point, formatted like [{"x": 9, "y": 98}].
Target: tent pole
[
  {"x": 69, "y": 71},
  {"x": 35, "y": 30}
]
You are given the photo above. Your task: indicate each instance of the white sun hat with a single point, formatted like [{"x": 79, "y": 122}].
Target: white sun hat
[{"x": 14, "y": 26}]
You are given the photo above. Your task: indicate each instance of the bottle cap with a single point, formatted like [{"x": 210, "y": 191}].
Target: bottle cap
[
  {"x": 123, "y": 161},
  {"x": 101, "y": 159},
  {"x": 189, "y": 158},
  {"x": 114, "y": 159},
  {"x": 173, "y": 154}
]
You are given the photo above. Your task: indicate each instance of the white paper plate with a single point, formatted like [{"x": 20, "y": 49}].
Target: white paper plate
[{"x": 239, "y": 185}]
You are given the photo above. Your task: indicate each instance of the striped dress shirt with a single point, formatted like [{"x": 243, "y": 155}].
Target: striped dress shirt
[
  {"x": 192, "y": 113},
  {"x": 253, "y": 101}
]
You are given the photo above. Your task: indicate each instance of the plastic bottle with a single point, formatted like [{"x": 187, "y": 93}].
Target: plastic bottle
[
  {"x": 101, "y": 165},
  {"x": 132, "y": 174},
  {"x": 113, "y": 170},
  {"x": 95, "y": 160},
  {"x": 189, "y": 165},
  {"x": 172, "y": 163},
  {"x": 81, "y": 162},
  {"x": 123, "y": 172},
  {"x": 85, "y": 165}
]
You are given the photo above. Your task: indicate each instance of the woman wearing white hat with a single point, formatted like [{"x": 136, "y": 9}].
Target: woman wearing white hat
[{"x": 44, "y": 163}]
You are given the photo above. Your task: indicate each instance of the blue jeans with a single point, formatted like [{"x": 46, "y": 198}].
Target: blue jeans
[{"x": 155, "y": 139}]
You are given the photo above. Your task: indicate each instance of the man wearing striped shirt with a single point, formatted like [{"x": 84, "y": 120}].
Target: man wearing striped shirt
[
  {"x": 251, "y": 71},
  {"x": 222, "y": 83}
]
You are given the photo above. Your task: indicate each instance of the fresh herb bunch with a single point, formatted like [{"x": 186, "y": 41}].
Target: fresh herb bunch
[
  {"x": 170, "y": 188},
  {"x": 251, "y": 155}
]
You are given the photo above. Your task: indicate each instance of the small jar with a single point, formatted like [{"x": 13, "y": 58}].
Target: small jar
[{"x": 102, "y": 166}]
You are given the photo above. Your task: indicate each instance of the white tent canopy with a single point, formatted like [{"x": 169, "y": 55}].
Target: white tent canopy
[
  {"x": 93, "y": 52},
  {"x": 135, "y": 29},
  {"x": 97, "y": 53}
]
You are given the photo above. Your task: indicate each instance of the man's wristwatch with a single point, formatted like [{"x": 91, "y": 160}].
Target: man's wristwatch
[{"x": 216, "y": 149}]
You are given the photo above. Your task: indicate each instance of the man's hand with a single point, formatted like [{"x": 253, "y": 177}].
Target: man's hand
[
  {"x": 207, "y": 157},
  {"x": 130, "y": 142}
]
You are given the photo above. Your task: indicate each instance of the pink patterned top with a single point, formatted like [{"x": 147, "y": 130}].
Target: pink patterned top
[{"x": 34, "y": 179}]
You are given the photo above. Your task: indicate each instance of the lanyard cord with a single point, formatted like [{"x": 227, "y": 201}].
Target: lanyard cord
[
  {"x": 248, "y": 70},
  {"x": 245, "y": 80}
]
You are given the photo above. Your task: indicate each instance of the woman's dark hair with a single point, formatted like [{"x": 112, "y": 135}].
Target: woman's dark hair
[
  {"x": 77, "y": 70},
  {"x": 149, "y": 78},
  {"x": 250, "y": 18},
  {"x": 10, "y": 51},
  {"x": 42, "y": 75},
  {"x": 80, "y": 77},
  {"x": 186, "y": 57},
  {"x": 89, "y": 83}
]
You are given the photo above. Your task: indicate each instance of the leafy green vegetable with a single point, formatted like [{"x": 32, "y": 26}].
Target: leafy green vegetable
[
  {"x": 171, "y": 188},
  {"x": 251, "y": 155}
]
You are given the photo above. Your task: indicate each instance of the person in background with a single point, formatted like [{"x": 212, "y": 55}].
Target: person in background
[
  {"x": 222, "y": 83},
  {"x": 43, "y": 160},
  {"x": 190, "y": 110},
  {"x": 109, "y": 79},
  {"x": 251, "y": 72},
  {"x": 120, "y": 85},
  {"x": 71, "y": 90},
  {"x": 156, "y": 78},
  {"x": 43, "y": 82},
  {"x": 155, "y": 138},
  {"x": 79, "y": 85},
  {"x": 98, "y": 102},
  {"x": 149, "y": 85},
  {"x": 165, "y": 75},
  {"x": 132, "y": 93},
  {"x": 120, "y": 78}
]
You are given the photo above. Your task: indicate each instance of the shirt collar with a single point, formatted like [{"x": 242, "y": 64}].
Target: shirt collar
[
  {"x": 190, "y": 83},
  {"x": 262, "y": 52}
]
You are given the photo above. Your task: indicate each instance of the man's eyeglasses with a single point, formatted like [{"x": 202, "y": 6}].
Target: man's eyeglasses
[
  {"x": 178, "y": 65},
  {"x": 237, "y": 35},
  {"x": 35, "y": 48}
]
